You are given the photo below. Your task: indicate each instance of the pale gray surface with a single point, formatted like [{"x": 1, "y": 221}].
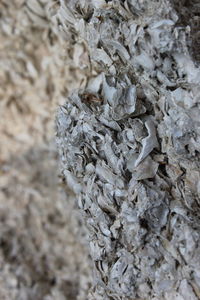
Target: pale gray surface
[{"x": 129, "y": 144}]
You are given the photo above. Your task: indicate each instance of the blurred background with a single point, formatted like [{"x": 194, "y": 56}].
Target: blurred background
[{"x": 43, "y": 254}]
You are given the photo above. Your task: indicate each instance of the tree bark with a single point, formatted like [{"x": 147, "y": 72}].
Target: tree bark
[{"x": 129, "y": 145}]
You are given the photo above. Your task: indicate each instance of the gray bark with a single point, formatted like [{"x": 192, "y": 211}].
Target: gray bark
[{"x": 129, "y": 145}]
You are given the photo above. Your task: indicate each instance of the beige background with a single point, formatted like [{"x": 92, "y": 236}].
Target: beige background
[{"x": 42, "y": 253}]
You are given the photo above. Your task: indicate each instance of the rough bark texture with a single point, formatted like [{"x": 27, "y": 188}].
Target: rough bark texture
[{"x": 129, "y": 145}]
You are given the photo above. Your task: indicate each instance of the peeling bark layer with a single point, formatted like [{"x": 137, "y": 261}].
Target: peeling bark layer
[{"x": 129, "y": 145}]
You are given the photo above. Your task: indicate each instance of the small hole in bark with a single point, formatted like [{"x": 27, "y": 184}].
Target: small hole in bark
[{"x": 144, "y": 223}]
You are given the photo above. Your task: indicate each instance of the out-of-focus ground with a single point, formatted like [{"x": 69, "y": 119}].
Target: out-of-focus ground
[{"x": 42, "y": 250}]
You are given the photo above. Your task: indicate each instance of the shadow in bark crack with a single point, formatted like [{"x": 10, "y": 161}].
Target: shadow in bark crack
[{"x": 189, "y": 14}]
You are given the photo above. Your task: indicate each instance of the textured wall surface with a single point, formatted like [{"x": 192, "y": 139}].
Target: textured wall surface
[
  {"x": 129, "y": 144},
  {"x": 43, "y": 254}
]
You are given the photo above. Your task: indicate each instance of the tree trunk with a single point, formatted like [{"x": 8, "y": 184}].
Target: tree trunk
[{"x": 129, "y": 145}]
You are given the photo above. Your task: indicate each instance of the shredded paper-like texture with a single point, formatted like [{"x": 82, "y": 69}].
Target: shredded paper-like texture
[{"x": 129, "y": 144}]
